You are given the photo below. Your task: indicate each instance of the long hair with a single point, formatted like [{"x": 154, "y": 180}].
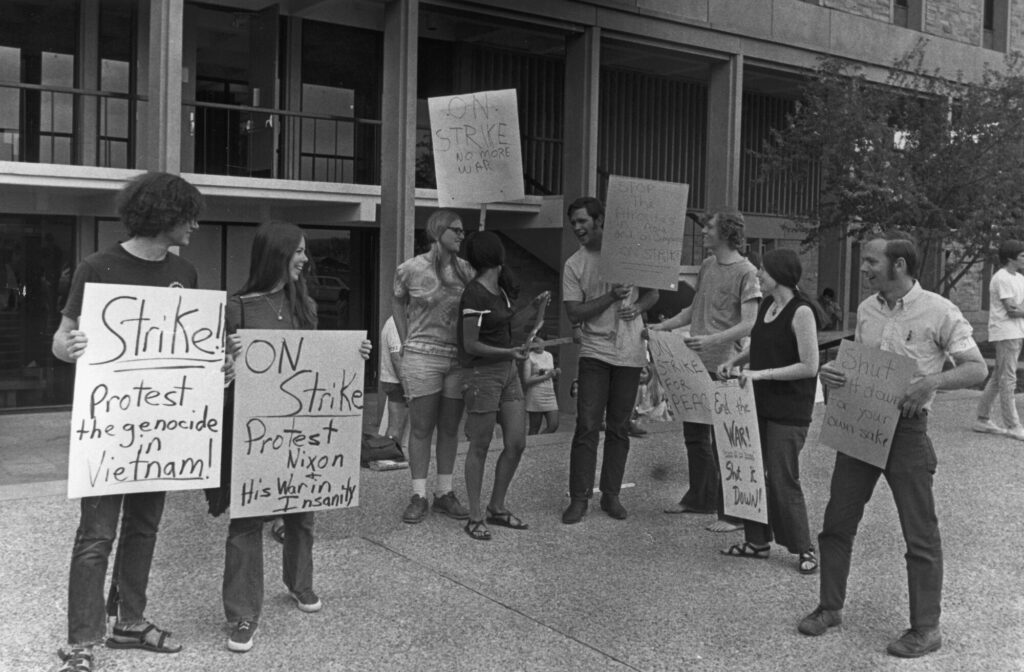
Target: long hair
[
  {"x": 439, "y": 222},
  {"x": 153, "y": 203},
  {"x": 272, "y": 251},
  {"x": 731, "y": 228},
  {"x": 484, "y": 250},
  {"x": 783, "y": 265}
]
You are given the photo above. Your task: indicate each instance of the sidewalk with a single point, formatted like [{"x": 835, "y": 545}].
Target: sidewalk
[{"x": 648, "y": 593}]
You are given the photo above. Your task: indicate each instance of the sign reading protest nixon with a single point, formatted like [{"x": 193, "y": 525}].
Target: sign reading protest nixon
[
  {"x": 478, "y": 157},
  {"x": 739, "y": 451},
  {"x": 149, "y": 391},
  {"x": 860, "y": 417},
  {"x": 643, "y": 232},
  {"x": 688, "y": 386},
  {"x": 298, "y": 421}
]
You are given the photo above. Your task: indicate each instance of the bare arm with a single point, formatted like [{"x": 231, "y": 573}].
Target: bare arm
[
  {"x": 970, "y": 370},
  {"x": 748, "y": 314},
  {"x": 680, "y": 319},
  {"x": 68, "y": 342},
  {"x": 398, "y": 308},
  {"x": 1012, "y": 309},
  {"x": 581, "y": 311},
  {"x": 807, "y": 346}
]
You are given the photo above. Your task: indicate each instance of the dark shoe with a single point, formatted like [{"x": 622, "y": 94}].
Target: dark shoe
[
  {"x": 818, "y": 621},
  {"x": 449, "y": 505},
  {"x": 240, "y": 640},
  {"x": 611, "y": 505},
  {"x": 636, "y": 430},
  {"x": 277, "y": 530},
  {"x": 416, "y": 511},
  {"x": 574, "y": 514},
  {"x": 307, "y": 601},
  {"x": 915, "y": 643}
]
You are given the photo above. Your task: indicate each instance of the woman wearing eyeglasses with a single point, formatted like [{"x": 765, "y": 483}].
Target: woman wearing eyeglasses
[{"x": 427, "y": 290}]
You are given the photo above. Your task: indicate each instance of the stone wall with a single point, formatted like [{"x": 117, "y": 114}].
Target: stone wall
[
  {"x": 873, "y": 9},
  {"x": 958, "y": 20}
]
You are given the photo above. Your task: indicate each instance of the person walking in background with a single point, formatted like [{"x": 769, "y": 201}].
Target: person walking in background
[
  {"x": 159, "y": 211},
  {"x": 273, "y": 297},
  {"x": 612, "y": 353},
  {"x": 902, "y": 318},
  {"x": 833, "y": 313},
  {"x": 427, "y": 290},
  {"x": 1006, "y": 331},
  {"x": 539, "y": 373},
  {"x": 392, "y": 392},
  {"x": 722, "y": 313},
  {"x": 783, "y": 365}
]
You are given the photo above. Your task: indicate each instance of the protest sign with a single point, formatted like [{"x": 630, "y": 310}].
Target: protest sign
[
  {"x": 688, "y": 385},
  {"x": 478, "y": 157},
  {"x": 149, "y": 391},
  {"x": 860, "y": 417},
  {"x": 739, "y": 451},
  {"x": 298, "y": 421},
  {"x": 643, "y": 232}
]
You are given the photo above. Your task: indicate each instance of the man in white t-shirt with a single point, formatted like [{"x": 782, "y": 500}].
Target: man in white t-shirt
[
  {"x": 1006, "y": 332},
  {"x": 391, "y": 383}
]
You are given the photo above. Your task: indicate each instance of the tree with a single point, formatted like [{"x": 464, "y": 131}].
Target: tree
[{"x": 936, "y": 156}]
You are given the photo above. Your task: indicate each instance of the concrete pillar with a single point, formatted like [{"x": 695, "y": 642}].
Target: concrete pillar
[
  {"x": 725, "y": 110},
  {"x": 87, "y": 64},
  {"x": 163, "y": 110}
]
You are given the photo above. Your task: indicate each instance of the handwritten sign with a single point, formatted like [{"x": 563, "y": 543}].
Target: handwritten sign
[
  {"x": 298, "y": 422},
  {"x": 687, "y": 383},
  {"x": 860, "y": 417},
  {"x": 739, "y": 451},
  {"x": 643, "y": 223},
  {"x": 478, "y": 157},
  {"x": 149, "y": 391}
]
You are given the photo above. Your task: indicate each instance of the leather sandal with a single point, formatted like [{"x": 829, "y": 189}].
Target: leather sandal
[
  {"x": 808, "y": 563},
  {"x": 747, "y": 550},
  {"x": 136, "y": 639},
  {"x": 505, "y": 519},
  {"x": 478, "y": 530}
]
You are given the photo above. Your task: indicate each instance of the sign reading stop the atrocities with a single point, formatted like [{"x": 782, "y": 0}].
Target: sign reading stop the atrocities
[
  {"x": 149, "y": 391},
  {"x": 688, "y": 385},
  {"x": 478, "y": 157},
  {"x": 739, "y": 451}
]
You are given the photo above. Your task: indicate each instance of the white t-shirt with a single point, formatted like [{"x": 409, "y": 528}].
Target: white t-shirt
[
  {"x": 389, "y": 343},
  {"x": 1009, "y": 286}
]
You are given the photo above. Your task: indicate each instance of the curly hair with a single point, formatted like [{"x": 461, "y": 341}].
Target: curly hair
[
  {"x": 153, "y": 203},
  {"x": 731, "y": 228}
]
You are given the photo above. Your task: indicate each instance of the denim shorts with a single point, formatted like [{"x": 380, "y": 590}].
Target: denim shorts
[
  {"x": 487, "y": 387},
  {"x": 426, "y": 374}
]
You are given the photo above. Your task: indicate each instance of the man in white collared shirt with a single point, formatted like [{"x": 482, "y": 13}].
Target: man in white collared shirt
[{"x": 902, "y": 318}]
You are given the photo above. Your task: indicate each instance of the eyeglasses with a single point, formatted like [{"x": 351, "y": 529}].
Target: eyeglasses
[{"x": 457, "y": 232}]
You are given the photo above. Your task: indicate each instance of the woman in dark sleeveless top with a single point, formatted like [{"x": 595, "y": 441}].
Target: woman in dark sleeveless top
[{"x": 783, "y": 365}]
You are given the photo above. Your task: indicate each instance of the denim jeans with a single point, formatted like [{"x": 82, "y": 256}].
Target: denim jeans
[
  {"x": 243, "y": 563},
  {"x": 909, "y": 473},
  {"x": 97, "y": 529},
  {"x": 787, "y": 509},
  {"x": 606, "y": 393},
  {"x": 1003, "y": 382}
]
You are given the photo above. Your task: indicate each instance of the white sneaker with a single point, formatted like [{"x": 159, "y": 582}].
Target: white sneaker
[
  {"x": 987, "y": 427},
  {"x": 1016, "y": 433}
]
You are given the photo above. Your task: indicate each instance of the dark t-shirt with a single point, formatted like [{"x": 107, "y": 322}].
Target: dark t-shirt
[
  {"x": 494, "y": 314},
  {"x": 118, "y": 267}
]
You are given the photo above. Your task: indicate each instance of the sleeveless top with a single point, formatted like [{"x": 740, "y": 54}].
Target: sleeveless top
[{"x": 772, "y": 346}]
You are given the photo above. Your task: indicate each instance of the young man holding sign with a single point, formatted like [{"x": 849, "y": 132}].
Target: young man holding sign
[
  {"x": 159, "y": 211},
  {"x": 612, "y": 353},
  {"x": 901, "y": 318}
]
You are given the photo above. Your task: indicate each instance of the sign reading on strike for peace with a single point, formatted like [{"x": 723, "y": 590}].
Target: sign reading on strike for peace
[
  {"x": 860, "y": 417},
  {"x": 643, "y": 232},
  {"x": 149, "y": 391},
  {"x": 688, "y": 385},
  {"x": 298, "y": 422},
  {"x": 478, "y": 157},
  {"x": 739, "y": 451}
]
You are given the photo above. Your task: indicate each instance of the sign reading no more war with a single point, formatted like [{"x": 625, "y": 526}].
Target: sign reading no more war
[
  {"x": 298, "y": 422},
  {"x": 861, "y": 416},
  {"x": 149, "y": 391},
  {"x": 478, "y": 157},
  {"x": 643, "y": 232},
  {"x": 739, "y": 451},
  {"x": 688, "y": 386}
]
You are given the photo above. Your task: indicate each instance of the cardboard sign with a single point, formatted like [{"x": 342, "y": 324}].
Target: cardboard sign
[
  {"x": 478, "y": 157},
  {"x": 687, "y": 383},
  {"x": 739, "y": 451},
  {"x": 643, "y": 232},
  {"x": 149, "y": 391},
  {"x": 298, "y": 422},
  {"x": 860, "y": 417}
]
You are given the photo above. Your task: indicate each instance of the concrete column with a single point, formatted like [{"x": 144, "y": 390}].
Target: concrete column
[
  {"x": 87, "y": 64},
  {"x": 725, "y": 110},
  {"x": 397, "y": 216},
  {"x": 163, "y": 110}
]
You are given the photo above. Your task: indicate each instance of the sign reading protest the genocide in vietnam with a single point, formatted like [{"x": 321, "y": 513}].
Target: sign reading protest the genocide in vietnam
[
  {"x": 298, "y": 422},
  {"x": 860, "y": 417},
  {"x": 643, "y": 232},
  {"x": 478, "y": 157},
  {"x": 149, "y": 391},
  {"x": 739, "y": 451},
  {"x": 688, "y": 386}
]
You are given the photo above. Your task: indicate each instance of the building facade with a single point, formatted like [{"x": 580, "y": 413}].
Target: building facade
[{"x": 315, "y": 112}]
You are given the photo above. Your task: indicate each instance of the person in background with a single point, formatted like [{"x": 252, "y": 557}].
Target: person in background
[
  {"x": 427, "y": 290},
  {"x": 391, "y": 383},
  {"x": 539, "y": 374},
  {"x": 833, "y": 312}
]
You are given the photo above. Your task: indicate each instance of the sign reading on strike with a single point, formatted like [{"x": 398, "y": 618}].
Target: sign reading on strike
[
  {"x": 478, "y": 157},
  {"x": 860, "y": 417},
  {"x": 298, "y": 422},
  {"x": 643, "y": 232},
  {"x": 149, "y": 391},
  {"x": 688, "y": 385},
  {"x": 739, "y": 451}
]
